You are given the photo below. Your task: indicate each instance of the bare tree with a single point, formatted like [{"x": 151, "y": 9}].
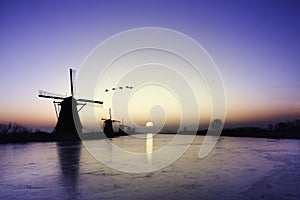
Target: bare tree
[{"x": 4, "y": 128}]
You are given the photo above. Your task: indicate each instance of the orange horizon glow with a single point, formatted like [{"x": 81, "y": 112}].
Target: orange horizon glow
[{"x": 243, "y": 117}]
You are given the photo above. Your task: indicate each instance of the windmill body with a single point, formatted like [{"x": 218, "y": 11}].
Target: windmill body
[
  {"x": 108, "y": 126},
  {"x": 68, "y": 119}
]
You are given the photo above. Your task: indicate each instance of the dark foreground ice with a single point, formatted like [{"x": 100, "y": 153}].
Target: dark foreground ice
[{"x": 237, "y": 168}]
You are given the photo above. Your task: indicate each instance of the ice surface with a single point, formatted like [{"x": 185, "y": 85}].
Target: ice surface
[{"x": 237, "y": 168}]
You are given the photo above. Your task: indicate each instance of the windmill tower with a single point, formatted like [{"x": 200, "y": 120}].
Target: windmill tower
[
  {"x": 108, "y": 126},
  {"x": 68, "y": 116}
]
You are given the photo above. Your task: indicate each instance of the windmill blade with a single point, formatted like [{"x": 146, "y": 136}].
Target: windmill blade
[
  {"x": 90, "y": 101},
  {"x": 71, "y": 81},
  {"x": 50, "y": 95},
  {"x": 115, "y": 121},
  {"x": 103, "y": 119}
]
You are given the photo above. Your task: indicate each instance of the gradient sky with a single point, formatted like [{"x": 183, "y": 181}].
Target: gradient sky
[{"x": 255, "y": 45}]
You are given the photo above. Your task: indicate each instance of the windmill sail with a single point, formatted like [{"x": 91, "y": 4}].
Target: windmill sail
[
  {"x": 50, "y": 95},
  {"x": 90, "y": 101},
  {"x": 72, "y": 80}
]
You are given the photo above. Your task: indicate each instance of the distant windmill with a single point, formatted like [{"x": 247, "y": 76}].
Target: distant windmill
[
  {"x": 68, "y": 114},
  {"x": 108, "y": 126}
]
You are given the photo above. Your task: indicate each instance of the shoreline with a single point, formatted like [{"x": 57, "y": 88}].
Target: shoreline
[{"x": 239, "y": 132}]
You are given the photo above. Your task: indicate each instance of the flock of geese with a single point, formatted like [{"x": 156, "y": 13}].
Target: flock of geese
[{"x": 120, "y": 88}]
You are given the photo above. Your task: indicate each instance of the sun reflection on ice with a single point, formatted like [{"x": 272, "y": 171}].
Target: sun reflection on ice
[{"x": 149, "y": 147}]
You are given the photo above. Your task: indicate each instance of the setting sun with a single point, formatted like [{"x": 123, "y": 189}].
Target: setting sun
[{"x": 149, "y": 124}]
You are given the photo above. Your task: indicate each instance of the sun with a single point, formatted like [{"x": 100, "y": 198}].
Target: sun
[{"x": 149, "y": 124}]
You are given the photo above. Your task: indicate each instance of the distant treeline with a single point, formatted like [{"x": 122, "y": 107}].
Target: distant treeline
[
  {"x": 280, "y": 130},
  {"x": 289, "y": 126},
  {"x": 11, "y": 132}
]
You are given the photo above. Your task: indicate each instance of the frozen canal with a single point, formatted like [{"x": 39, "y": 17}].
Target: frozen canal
[{"x": 237, "y": 168}]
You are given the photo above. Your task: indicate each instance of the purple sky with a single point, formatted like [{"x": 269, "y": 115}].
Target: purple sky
[{"x": 255, "y": 44}]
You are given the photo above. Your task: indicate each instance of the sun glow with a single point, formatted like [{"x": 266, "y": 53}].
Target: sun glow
[{"x": 149, "y": 124}]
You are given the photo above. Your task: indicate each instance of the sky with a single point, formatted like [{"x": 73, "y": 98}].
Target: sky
[{"x": 255, "y": 45}]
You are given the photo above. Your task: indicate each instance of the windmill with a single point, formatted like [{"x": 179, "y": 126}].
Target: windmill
[
  {"x": 68, "y": 116},
  {"x": 108, "y": 126}
]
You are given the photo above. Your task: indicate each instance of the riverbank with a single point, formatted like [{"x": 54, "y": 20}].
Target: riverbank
[{"x": 237, "y": 132}]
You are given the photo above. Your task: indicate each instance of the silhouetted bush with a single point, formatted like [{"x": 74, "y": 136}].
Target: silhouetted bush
[{"x": 4, "y": 128}]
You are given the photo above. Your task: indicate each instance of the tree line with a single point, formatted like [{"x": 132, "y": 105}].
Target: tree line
[
  {"x": 288, "y": 126},
  {"x": 280, "y": 130},
  {"x": 12, "y": 132}
]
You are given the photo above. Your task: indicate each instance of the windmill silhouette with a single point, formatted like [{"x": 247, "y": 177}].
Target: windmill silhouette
[
  {"x": 68, "y": 116},
  {"x": 108, "y": 126}
]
